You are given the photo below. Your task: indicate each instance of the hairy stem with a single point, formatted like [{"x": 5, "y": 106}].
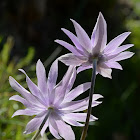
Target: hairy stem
[
  {"x": 41, "y": 126},
  {"x": 84, "y": 133}
]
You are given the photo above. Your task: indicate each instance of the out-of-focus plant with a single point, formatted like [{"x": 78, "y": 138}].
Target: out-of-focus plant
[{"x": 11, "y": 129}]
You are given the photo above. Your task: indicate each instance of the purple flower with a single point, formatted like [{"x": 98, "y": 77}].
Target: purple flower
[
  {"x": 86, "y": 49},
  {"x": 47, "y": 97}
]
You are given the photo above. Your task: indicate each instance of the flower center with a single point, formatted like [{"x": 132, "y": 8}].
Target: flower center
[
  {"x": 100, "y": 58},
  {"x": 51, "y": 108}
]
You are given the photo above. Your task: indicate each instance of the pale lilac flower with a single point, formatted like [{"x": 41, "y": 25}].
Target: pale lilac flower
[
  {"x": 46, "y": 96},
  {"x": 85, "y": 49}
]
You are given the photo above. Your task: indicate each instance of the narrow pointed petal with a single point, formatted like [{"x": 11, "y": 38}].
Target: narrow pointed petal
[
  {"x": 123, "y": 56},
  {"x": 52, "y": 76},
  {"x": 81, "y": 117},
  {"x": 26, "y": 94},
  {"x": 73, "y": 38},
  {"x": 27, "y": 112},
  {"x": 20, "y": 99},
  {"x": 61, "y": 87},
  {"x": 105, "y": 72},
  {"x": 70, "y": 59},
  {"x": 80, "y": 105},
  {"x": 82, "y": 68},
  {"x": 71, "y": 80},
  {"x": 123, "y": 48},
  {"x": 116, "y": 42},
  {"x": 68, "y": 46},
  {"x": 33, "y": 88},
  {"x": 44, "y": 127},
  {"x": 82, "y": 36},
  {"x": 53, "y": 128},
  {"x": 63, "y": 126},
  {"x": 114, "y": 65},
  {"x": 41, "y": 76},
  {"x": 71, "y": 121},
  {"x": 77, "y": 91},
  {"x": 99, "y": 35},
  {"x": 33, "y": 125}
]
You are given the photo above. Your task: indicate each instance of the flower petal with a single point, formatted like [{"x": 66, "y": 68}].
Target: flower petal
[
  {"x": 68, "y": 134},
  {"x": 53, "y": 128},
  {"x": 52, "y": 76},
  {"x": 105, "y": 72},
  {"x": 122, "y": 48},
  {"x": 80, "y": 105},
  {"x": 33, "y": 125},
  {"x": 114, "y": 65},
  {"x": 41, "y": 77},
  {"x": 117, "y": 41},
  {"x": 71, "y": 80},
  {"x": 77, "y": 91},
  {"x": 122, "y": 56},
  {"x": 34, "y": 89},
  {"x": 81, "y": 117},
  {"x": 44, "y": 127},
  {"x": 99, "y": 35},
  {"x": 68, "y": 46},
  {"x": 28, "y": 112},
  {"x": 82, "y": 36},
  {"x": 26, "y": 94},
  {"x": 20, "y": 99},
  {"x": 73, "y": 38},
  {"x": 61, "y": 87},
  {"x": 70, "y": 59},
  {"x": 71, "y": 121},
  {"x": 82, "y": 68}
]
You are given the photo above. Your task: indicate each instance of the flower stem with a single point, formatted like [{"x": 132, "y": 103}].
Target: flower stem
[
  {"x": 84, "y": 133},
  {"x": 41, "y": 126}
]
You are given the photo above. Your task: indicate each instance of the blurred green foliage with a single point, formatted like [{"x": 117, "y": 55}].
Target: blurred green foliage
[
  {"x": 37, "y": 23},
  {"x": 11, "y": 128}
]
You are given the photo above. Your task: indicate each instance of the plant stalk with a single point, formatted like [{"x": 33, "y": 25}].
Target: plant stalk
[
  {"x": 41, "y": 126},
  {"x": 84, "y": 133}
]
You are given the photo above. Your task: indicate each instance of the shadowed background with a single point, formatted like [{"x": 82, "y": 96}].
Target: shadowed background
[{"x": 27, "y": 33}]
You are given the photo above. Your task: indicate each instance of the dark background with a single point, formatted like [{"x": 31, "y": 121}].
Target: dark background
[{"x": 36, "y": 24}]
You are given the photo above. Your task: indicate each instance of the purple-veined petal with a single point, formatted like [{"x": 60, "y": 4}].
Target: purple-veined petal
[
  {"x": 82, "y": 68},
  {"x": 20, "y": 99},
  {"x": 122, "y": 56},
  {"x": 34, "y": 89},
  {"x": 77, "y": 91},
  {"x": 68, "y": 134},
  {"x": 52, "y": 76},
  {"x": 26, "y": 94},
  {"x": 71, "y": 59},
  {"x": 41, "y": 77},
  {"x": 28, "y": 112},
  {"x": 99, "y": 35},
  {"x": 114, "y": 65},
  {"x": 53, "y": 128},
  {"x": 82, "y": 36},
  {"x": 116, "y": 42},
  {"x": 68, "y": 46},
  {"x": 81, "y": 117},
  {"x": 71, "y": 121},
  {"x": 122, "y": 48}
]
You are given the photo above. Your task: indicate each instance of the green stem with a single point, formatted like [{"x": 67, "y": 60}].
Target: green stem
[
  {"x": 84, "y": 133},
  {"x": 41, "y": 126}
]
